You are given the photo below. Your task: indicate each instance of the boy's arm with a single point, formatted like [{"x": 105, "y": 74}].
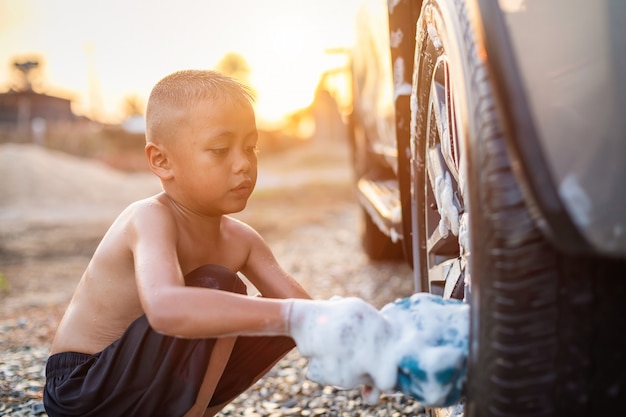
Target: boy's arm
[
  {"x": 264, "y": 271},
  {"x": 191, "y": 312}
]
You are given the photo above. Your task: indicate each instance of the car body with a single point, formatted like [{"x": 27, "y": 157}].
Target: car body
[
  {"x": 489, "y": 149},
  {"x": 568, "y": 131}
]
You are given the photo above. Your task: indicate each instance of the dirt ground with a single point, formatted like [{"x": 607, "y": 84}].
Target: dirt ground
[{"x": 54, "y": 208}]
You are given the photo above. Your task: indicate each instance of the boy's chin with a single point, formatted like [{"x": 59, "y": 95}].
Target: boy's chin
[{"x": 236, "y": 208}]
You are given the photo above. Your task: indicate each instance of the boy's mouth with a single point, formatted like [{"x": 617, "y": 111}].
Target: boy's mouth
[{"x": 243, "y": 186}]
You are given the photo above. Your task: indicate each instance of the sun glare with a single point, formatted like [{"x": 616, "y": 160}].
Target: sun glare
[
  {"x": 287, "y": 56},
  {"x": 100, "y": 53}
]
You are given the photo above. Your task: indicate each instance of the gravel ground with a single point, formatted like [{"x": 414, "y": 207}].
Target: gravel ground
[{"x": 312, "y": 225}]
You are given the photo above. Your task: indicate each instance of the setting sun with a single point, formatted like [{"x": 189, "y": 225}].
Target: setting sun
[{"x": 100, "y": 53}]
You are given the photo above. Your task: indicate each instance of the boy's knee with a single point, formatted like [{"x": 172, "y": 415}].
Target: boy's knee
[{"x": 215, "y": 276}]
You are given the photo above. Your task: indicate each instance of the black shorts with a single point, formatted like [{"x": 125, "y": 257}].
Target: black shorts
[{"x": 145, "y": 373}]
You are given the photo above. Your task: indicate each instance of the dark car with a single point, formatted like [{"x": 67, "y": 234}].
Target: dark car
[{"x": 489, "y": 147}]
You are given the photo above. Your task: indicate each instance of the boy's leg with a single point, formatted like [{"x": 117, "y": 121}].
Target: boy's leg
[
  {"x": 219, "y": 358},
  {"x": 213, "y": 276},
  {"x": 251, "y": 358}
]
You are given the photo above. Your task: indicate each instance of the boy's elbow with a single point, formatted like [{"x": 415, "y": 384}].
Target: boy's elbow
[
  {"x": 162, "y": 317},
  {"x": 160, "y": 324}
]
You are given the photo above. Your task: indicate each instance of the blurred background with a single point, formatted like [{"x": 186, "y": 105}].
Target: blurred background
[{"x": 75, "y": 75}]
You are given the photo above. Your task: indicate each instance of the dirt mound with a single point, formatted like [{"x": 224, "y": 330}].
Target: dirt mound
[{"x": 39, "y": 183}]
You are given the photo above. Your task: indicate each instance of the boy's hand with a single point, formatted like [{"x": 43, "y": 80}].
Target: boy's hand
[{"x": 345, "y": 340}]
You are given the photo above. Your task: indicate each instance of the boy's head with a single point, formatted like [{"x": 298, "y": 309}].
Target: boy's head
[
  {"x": 175, "y": 94},
  {"x": 201, "y": 140}
]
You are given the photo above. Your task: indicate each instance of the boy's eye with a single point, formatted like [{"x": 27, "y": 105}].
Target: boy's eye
[
  {"x": 219, "y": 151},
  {"x": 225, "y": 150}
]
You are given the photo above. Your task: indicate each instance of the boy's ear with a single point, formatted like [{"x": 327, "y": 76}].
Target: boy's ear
[{"x": 158, "y": 161}]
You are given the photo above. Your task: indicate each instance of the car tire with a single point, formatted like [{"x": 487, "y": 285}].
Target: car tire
[
  {"x": 547, "y": 334},
  {"x": 377, "y": 245}
]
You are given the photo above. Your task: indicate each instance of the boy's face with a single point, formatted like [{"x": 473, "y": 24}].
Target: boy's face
[{"x": 213, "y": 157}]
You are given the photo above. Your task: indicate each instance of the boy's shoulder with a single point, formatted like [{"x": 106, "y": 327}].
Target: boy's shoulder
[
  {"x": 149, "y": 211},
  {"x": 156, "y": 204},
  {"x": 239, "y": 227}
]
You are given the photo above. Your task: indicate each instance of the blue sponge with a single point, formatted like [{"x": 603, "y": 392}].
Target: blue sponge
[{"x": 433, "y": 346}]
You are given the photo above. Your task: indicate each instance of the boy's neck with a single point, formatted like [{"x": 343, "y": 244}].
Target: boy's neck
[{"x": 190, "y": 216}]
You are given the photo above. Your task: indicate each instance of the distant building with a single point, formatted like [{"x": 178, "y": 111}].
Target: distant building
[{"x": 19, "y": 109}]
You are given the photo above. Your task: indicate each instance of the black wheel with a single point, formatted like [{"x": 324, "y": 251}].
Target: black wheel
[
  {"x": 377, "y": 245},
  {"x": 547, "y": 330}
]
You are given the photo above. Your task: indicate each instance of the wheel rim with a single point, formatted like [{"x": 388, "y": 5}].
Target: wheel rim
[{"x": 440, "y": 222}]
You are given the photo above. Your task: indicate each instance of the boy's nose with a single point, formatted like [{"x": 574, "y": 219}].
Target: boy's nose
[{"x": 242, "y": 162}]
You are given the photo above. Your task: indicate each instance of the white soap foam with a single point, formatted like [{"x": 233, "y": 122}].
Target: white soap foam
[
  {"x": 449, "y": 213},
  {"x": 434, "y": 336},
  {"x": 349, "y": 343},
  {"x": 344, "y": 339}
]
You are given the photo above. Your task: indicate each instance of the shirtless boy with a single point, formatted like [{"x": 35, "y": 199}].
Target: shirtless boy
[{"x": 160, "y": 323}]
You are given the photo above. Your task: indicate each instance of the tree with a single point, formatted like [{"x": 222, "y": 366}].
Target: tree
[
  {"x": 133, "y": 106},
  {"x": 28, "y": 73},
  {"x": 236, "y": 66}
]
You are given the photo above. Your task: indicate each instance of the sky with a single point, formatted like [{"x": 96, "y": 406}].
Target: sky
[{"x": 100, "y": 52}]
